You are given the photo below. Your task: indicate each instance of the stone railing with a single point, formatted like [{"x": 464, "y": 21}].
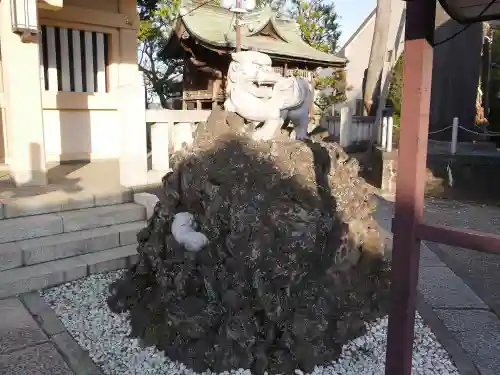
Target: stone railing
[
  {"x": 170, "y": 131},
  {"x": 355, "y": 130},
  {"x": 165, "y": 130},
  {"x": 360, "y": 128},
  {"x": 350, "y": 130}
]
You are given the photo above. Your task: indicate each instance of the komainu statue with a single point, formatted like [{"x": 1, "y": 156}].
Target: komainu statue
[{"x": 262, "y": 96}]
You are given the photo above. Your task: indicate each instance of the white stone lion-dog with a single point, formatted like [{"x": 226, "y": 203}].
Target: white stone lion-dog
[{"x": 260, "y": 95}]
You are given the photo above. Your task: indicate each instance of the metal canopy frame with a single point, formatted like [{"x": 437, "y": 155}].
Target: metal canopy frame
[
  {"x": 407, "y": 227},
  {"x": 486, "y": 10}
]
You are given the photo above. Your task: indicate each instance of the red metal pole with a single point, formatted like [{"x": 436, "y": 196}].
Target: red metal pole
[
  {"x": 420, "y": 21},
  {"x": 238, "y": 26}
]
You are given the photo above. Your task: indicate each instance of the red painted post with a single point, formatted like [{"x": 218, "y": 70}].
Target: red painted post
[{"x": 420, "y": 21}]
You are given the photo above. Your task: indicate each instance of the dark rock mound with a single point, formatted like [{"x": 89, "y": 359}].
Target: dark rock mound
[{"x": 293, "y": 269}]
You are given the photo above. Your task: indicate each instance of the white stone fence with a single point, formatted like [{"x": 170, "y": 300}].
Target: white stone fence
[
  {"x": 173, "y": 129},
  {"x": 170, "y": 130},
  {"x": 355, "y": 130},
  {"x": 384, "y": 134}
]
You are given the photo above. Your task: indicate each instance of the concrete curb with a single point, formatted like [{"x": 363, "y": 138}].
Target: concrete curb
[
  {"x": 77, "y": 359},
  {"x": 458, "y": 355},
  {"x": 476, "y": 287},
  {"x": 475, "y": 328}
]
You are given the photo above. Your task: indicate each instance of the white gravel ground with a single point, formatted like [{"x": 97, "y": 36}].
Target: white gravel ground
[{"x": 81, "y": 306}]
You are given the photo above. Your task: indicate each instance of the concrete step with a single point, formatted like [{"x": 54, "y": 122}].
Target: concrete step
[
  {"x": 60, "y": 201},
  {"x": 25, "y": 228},
  {"x": 31, "y": 278},
  {"x": 65, "y": 245}
]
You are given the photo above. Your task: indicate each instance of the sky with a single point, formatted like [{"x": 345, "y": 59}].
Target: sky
[{"x": 352, "y": 13}]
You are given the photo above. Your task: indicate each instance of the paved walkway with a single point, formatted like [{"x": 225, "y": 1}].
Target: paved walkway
[
  {"x": 34, "y": 342},
  {"x": 459, "y": 288},
  {"x": 72, "y": 180}
]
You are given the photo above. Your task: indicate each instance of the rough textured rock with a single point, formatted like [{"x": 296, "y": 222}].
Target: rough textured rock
[{"x": 293, "y": 269}]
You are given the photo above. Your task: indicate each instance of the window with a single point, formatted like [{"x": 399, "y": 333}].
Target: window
[{"x": 74, "y": 60}]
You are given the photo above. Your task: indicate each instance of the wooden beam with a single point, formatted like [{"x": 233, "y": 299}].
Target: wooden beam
[
  {"x": 464, "y": 238},
  {"x": 79, "y": 15},
  {"x": 417, "y": 81}
]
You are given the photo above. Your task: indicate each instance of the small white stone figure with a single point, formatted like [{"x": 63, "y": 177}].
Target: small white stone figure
[
  {"x": 184, "y": 232},
  {"x": 260, "y": 95}
]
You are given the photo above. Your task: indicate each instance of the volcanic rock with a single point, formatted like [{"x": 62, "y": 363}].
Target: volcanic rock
[{"x": 294, "y": 266}]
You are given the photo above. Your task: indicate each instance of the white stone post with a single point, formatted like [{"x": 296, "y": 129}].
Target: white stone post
[
  {"x": 159, "y": 147},
  {"x": 132, "y": 120},
  {"x": 389, "y": 134},
  {"x": 385, "y": 84},
  {"x": 454, "y": 136},
  {"x": 345, "y": 125},
  {"x": 378, "y": 127},
  {"x": 383, "y": 142}
]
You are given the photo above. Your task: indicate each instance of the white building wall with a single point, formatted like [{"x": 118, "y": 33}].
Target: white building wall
[{"x": 357, "y": 51}]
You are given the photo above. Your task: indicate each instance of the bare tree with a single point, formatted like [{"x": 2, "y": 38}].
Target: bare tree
[{"x": 378, "y": 53}]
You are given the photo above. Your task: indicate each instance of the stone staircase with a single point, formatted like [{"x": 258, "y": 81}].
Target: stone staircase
[{"x": 49, "y": 241}]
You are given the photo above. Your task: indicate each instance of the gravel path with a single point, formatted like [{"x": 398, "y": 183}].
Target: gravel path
[{"x": 81, "y": 306}]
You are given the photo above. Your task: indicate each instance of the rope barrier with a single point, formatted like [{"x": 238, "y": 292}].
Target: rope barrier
[
  {"x": 441, "y": 130},
  {"x": 473, "y": 132},
  {"x": 464, "y": 129}
]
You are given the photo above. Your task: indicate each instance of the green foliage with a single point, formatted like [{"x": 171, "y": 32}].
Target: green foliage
[
  {"x": 396, "y": 88},
  {"x": 318, "y": 23},
  {"x": 156, "y": 20},
  {"x": 335, "y": 87},
  {"x": 317, "y": 19},
  {"x": 318, "y": 26}
]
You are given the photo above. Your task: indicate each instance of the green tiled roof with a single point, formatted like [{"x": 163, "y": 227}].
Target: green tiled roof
[{"x": 214, "y": 26}]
